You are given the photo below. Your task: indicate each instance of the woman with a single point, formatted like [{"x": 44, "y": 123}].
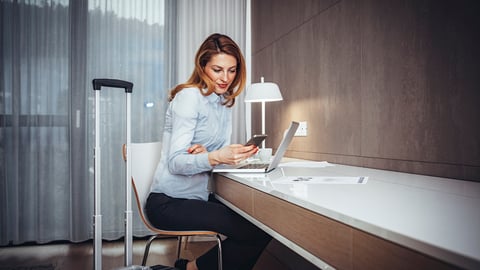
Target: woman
[{"x": 196, "y": 137}]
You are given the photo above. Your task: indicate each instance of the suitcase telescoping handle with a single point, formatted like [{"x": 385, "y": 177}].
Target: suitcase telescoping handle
[
  {"x": 98, "y": 83},
  {"x": 97, "y": 218}
]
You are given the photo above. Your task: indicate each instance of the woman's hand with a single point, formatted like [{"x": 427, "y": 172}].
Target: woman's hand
[
  {"x": 196, "y": 149},
  {"x": 231, "y": 154}
]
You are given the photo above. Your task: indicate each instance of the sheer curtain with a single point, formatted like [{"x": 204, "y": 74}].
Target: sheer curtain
[
  {"x": 35, "y": 126},
  {"x": 50, "y": 51},
  {"x": 126, "y": 41}
]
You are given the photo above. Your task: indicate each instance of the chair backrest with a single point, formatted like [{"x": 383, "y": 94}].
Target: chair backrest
[{"x": 144, "y": 160}]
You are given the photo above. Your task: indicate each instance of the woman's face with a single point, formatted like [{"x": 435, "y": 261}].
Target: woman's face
[{"x": 221, "y": 69}]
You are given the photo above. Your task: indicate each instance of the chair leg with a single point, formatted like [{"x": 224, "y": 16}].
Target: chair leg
[
  {"x": 179, "y": 246},
  {"x": 147, "y": 249},
  {"x": 220, "y": 261},
  {"x": 185, "y": 242}
]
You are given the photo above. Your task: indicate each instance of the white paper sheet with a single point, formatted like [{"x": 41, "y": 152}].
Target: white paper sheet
[{"x": 322, "y": 180}]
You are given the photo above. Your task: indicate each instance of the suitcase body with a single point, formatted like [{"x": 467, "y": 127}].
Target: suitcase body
[
  {"x": 97, "y": 217},
  {"x": 154, "y": 267}
]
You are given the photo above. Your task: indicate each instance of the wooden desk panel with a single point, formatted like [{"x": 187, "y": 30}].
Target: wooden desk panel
[
  {"x": 321, "y": 236},
  {"x": 371, "y": 252},
  {"x": 238, "y": 194}
]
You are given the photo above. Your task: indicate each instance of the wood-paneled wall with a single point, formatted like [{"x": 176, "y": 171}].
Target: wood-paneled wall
[{"x": 384, "y": 84}]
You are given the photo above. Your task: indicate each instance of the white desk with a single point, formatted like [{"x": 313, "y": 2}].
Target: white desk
[{"x": 395, "y": 220}]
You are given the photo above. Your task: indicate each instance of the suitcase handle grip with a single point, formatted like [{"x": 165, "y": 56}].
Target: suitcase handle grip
[{"x": 98, "y": 83}]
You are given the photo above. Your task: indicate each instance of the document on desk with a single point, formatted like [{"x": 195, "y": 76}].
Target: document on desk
[{"x": 322, "y": 180}]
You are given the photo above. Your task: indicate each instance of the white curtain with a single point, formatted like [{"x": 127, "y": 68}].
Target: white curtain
[
  {"x": 198, "y": 19},
  {"x": 35, "y": 126},
  {"x": 50, "y": 51},
  {"x": 126, "y": 41}
]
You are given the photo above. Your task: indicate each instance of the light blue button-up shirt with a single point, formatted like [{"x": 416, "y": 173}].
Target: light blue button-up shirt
[{"x": 191, "y": 118}]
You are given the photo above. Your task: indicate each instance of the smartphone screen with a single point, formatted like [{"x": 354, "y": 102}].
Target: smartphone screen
[{"x": 256, "y": 139}]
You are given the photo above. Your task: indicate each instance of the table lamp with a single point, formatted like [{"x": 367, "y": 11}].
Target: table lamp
[{"x": 263, "y": 92}]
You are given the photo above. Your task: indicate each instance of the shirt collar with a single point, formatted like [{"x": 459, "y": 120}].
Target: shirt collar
[{"x": 214, "y": 98}]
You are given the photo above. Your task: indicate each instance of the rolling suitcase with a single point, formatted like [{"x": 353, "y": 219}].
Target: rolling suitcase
[
  {"x": 154, "y": 267},
  {"x": 97, "y": 217}
]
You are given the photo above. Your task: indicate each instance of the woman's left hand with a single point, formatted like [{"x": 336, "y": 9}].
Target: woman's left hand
[{"x": 196, "y": 149}]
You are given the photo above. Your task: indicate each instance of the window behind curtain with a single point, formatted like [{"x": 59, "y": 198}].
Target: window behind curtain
[
  {"x": 126, "y": 41},
  {"x": 50, "y": 51}
]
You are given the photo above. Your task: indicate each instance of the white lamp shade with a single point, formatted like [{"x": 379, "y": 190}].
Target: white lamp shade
[{"x": 264, "y": 91}]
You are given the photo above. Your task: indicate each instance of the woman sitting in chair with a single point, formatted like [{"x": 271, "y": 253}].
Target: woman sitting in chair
[{"x": 198, "y": 126}]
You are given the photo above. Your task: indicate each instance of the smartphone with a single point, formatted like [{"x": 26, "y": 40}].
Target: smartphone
[{"x": 256, "y": 139}]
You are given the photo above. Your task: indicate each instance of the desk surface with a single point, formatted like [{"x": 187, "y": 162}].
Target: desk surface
[{"x": 436, "y": 216}]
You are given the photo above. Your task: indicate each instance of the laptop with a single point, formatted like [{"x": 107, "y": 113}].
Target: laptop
[{"x": 255, "y": 167}]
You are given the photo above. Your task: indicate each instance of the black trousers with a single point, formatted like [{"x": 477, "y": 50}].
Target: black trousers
[{"x": 245, "y": 241}]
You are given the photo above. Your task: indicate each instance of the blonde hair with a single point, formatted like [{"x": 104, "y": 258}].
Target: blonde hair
[{"x": 213, "y": 45}]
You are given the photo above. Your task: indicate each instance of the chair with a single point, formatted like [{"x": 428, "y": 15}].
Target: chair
[{"x": 145, "y": 158}]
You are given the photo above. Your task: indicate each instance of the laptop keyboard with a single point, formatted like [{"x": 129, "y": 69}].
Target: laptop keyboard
[{"x": 254, "y": 166}]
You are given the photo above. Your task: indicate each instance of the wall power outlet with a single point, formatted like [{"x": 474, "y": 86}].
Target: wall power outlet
[{"x": 302, "y": 129}]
